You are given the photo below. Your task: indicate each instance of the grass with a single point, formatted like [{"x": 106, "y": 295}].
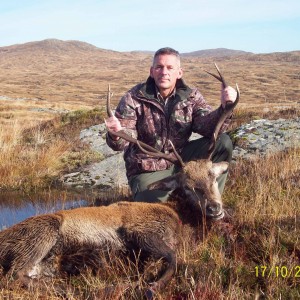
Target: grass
[
  {"x": 253, "y": 255},
  {"x": 33, "y": 158}
]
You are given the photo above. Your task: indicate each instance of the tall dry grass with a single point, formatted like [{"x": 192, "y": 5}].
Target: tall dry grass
[
  {"x": 268, "y": 186},
  {"x": 29, "y": 165},
  {"x": 34, "y": 157},
  {"x": 253, "y": 254}
]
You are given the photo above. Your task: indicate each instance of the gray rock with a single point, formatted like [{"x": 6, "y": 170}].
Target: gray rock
[
  {"x": 95, "y": 137},
  {"x": 108, "y": 173},
  {"x": 264, "y": 137}
]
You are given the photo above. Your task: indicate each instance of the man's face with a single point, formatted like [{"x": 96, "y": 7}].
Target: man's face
[{"x": 165, "y": 72}]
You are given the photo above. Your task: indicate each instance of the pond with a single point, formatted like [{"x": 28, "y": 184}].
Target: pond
[{"x": 16, "y": 207}]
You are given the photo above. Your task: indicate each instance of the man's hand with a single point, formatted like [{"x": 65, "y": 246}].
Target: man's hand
[
  {"x": 228, "y": 94},
  {"x": 113, "y": 124}
]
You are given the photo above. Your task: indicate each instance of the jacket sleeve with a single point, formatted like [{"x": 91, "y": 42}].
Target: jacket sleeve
[
  {"x": 204, "y": 118},
  {"x": 126, "y": 114}
]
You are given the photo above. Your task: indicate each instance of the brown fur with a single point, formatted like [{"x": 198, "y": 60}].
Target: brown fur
[
  {"x": 27, "y": 246},
  {"x": 31, "y": 249}
]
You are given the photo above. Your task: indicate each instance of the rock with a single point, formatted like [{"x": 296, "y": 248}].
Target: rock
[
  {"x": 95, "y": 137},
  {"x": 263, "y": 137},
  {"x": 108, "y": 173},
  {"x": 259, "y": 137}
]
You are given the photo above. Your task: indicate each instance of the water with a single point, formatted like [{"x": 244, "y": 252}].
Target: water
[{"x": 16, "y": 207}]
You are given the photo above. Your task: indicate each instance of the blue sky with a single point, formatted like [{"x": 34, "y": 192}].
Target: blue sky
[{"x": 258, "y": 26}]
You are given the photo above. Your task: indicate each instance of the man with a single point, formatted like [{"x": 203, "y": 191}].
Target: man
[{"x": 161, "y": 110}]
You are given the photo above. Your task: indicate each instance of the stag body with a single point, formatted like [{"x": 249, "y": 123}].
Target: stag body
[{"x": 28, "y": 248}]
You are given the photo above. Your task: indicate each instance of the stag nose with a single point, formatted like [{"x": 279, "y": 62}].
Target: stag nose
[{"x": 214, "y": 210}]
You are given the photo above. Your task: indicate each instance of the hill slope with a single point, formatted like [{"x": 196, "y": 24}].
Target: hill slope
[
  {"x": 219, "y": 52},
  {"x": 74, "y": 74}
]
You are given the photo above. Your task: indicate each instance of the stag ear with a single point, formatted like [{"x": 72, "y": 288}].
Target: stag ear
[
  {"x": 219, "y": 168},
  {"x": 166, "y": 184}
]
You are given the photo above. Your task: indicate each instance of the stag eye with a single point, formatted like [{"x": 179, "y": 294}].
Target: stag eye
[{"x": 212, "y": 175}]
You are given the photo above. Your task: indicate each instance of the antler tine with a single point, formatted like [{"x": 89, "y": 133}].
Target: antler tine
[
  {"x": 219, "y": 77},
  {"x": 144, "y": 147},
  {"x": 122, "y": 134},
  {"x": 108, "y": 107},
  {"x": 229, "y": 106}
]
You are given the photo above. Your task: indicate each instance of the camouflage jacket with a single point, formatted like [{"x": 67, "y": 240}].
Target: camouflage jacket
[{"x": 146, "y": 118}]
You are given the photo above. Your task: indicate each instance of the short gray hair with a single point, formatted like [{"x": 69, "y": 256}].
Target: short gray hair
[{"x": 166, "y": 51}]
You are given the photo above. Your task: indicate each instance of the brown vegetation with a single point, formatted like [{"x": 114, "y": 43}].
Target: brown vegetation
[
  {"x": 262, "y": 195},
  {"x": 74, "y": 75}
]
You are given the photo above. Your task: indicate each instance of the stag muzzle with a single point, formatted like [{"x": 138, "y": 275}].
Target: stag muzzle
[{"x": 214, "y": 211}]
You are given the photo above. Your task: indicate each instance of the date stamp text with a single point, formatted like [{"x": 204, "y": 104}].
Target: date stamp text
[{"x": 277, "y": 271}]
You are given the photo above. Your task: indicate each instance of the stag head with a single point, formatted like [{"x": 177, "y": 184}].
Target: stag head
[
  {"x": 197, "y": 179},
  {"x": 197, "y": 182}
]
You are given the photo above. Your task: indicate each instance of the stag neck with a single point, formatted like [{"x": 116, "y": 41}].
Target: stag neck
[{"x": 188, "y": 214}]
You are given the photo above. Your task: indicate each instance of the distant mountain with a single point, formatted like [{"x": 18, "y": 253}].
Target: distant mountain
[
  {"x": 59, "y": 47},
  {"x": 52, "y": 45},
  {"x": 219, "y": 52},
  {"x": 143, "y": 52},
  {"x": 67, "y": 71},
  {"x": 291, "y": 56}
]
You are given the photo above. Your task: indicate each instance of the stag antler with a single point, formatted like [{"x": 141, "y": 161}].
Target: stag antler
[
  {"x": 227, "y": 110},
  {"x": 108, "y": 108},
  {"x": 143, "y": 147}
]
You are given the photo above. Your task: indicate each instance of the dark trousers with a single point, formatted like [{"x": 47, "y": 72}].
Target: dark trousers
[{"x": 193, "y": 150}]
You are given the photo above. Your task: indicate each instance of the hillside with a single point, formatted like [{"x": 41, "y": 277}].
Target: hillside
[
  {"x": 66, "y": 75},
  {"x": 219, "y": 52},
  {"x": 50, "y": 45}
]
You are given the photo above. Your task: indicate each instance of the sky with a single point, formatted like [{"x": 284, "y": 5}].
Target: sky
[{"x": 259, "y": 26}]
